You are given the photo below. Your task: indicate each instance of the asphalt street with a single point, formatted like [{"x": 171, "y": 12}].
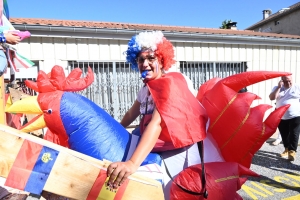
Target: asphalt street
[{"x": 279, "y": 178}]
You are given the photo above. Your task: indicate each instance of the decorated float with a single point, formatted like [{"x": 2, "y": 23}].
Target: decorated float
[{"x": 82, "y": 139}]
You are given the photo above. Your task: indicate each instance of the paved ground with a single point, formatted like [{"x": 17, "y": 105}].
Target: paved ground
[{"x": 280, "y": 179}]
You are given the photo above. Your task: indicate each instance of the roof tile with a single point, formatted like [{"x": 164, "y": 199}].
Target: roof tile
[{"x": 112, "y": 25}]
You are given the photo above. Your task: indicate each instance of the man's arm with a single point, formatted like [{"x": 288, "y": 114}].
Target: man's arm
[
  {"x": 148, "y": 139},
  {"x": 131, "y": 114},
  {"x": 118, "y": 172},
  {"x": 274, "y": 94}
]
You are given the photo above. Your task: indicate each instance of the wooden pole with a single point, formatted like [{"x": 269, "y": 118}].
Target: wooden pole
[
  {"x": 2, "y": 100},
  {"x": 73, "y": 173}
]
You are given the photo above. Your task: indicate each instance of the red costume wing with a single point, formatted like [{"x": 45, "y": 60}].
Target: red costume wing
[{"x": 183, "y": 117}]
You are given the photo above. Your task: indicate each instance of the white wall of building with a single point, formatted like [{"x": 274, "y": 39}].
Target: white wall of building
[{"x": 50, "y": 51}]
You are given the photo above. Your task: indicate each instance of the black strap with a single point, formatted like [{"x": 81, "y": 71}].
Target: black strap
[
  {"x": 203, "y": 177},
  {"x": 143, "y": 115},
  {"x": 146, "y": 111},
  {"x": 146, "y": 108}
]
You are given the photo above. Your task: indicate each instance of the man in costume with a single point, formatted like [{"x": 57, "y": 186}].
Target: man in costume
[{"x": 173, "y": 119}]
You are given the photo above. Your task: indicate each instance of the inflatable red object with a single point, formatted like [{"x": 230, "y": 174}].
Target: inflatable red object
[
  {"x": 207, "y": 86},
  {"x": 235, "y": 126},
  {"x": 13, "y": 120},
  {"x": 168, "y": 92},
  {"x": 58, "y": 80},
  {"x": 51, "y": 88},
  {"x": 235, "y": 133},
  {"x": 223, "y": 179}
]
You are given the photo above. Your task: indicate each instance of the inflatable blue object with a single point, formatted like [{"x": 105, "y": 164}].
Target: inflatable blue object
[{"x": 92, "y": 131}]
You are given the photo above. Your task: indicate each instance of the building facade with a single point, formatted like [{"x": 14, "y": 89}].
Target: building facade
[
  {"x": 285, "y": 21},
  {"x": 201, "y": 54}
]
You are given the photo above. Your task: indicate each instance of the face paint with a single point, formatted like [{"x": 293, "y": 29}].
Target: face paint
[
  {"x": 149, "y": 66},
  {"x": 144, "y": 74},
  {"x": 156, "y": 67}
]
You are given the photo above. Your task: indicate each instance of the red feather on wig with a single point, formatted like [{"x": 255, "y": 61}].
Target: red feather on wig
[{"x": 165, "y": 53}]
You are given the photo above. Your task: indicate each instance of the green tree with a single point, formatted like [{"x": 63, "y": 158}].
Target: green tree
[{"x": 224, "y": 24}]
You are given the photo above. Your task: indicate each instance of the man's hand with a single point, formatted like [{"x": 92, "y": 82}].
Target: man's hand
[
  {"x": 118, "y": 172},
  {"x": 12, "y": 38},
  {"x": 22, "y": 34},
  {"x": 280, "y": 83},
  {"x": 273, "y": 95}
]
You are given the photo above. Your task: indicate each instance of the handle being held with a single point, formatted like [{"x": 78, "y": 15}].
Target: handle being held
[{"x": 21, "y": 34}]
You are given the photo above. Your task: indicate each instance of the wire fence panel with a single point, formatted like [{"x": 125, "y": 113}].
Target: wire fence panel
[
  {"x": 200, "y": 72},
  {"x": 116, "y": 85}
]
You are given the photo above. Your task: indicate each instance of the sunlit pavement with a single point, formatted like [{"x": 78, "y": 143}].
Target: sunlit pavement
[{"x": 280, "y": 178}]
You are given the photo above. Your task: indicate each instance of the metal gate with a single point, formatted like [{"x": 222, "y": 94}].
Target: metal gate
[
  {"x": 116, "y": 85},
  {"x": 200, "y": 72}
]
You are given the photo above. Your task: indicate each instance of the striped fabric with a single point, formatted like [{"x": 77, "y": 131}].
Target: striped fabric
[
  {"x": 17, "y": 61},
  {"x": 153, "y": 171},
  {"x": 31, "y": 168},
  {"x": 100, "y": 190}
]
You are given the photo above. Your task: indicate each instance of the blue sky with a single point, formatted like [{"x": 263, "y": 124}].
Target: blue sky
[{"x": 194, "y": 13}]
